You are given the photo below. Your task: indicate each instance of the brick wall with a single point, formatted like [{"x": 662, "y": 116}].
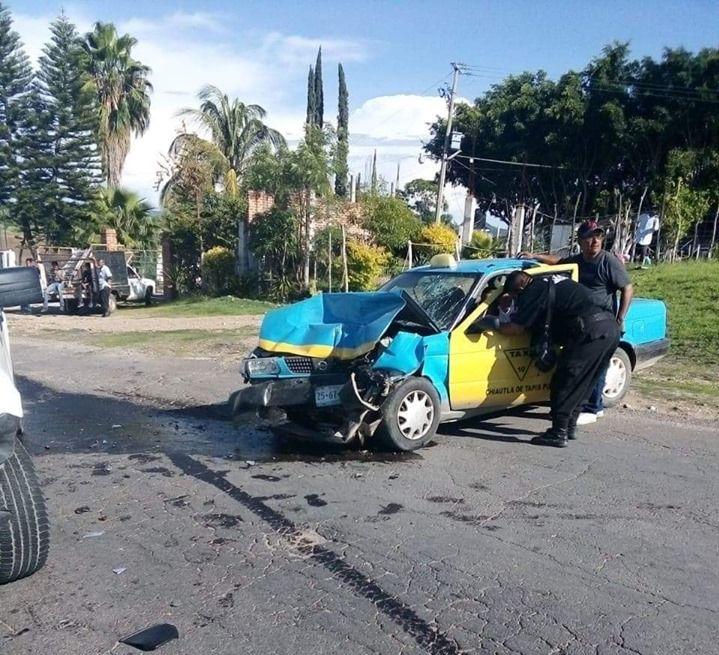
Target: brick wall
[
  {"x": 258, "y": 202},
  {"x": 108, "y": 238}
]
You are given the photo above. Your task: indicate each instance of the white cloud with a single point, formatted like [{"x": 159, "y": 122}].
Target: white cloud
[
  {"x": 266, "y": 69},
  {"x": 300, "y": 51},
  {"x": 397, "y": 116}
]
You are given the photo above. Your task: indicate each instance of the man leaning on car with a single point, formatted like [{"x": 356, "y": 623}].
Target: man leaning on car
[{"x": 603, "y": 274}]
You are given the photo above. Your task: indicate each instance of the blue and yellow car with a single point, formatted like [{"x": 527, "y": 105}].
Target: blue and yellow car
[{"x": 394, "y": 363}]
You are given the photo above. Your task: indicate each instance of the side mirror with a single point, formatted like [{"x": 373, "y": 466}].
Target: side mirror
[
  {"x": 19, "y": 286},
  {"x": 475, "y": 328}
]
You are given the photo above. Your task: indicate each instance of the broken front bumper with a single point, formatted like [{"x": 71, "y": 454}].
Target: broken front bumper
[{"x": 273, "y": 393}]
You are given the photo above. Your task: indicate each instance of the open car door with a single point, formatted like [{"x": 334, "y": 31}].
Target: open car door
[{"x": 492, "y": 371}]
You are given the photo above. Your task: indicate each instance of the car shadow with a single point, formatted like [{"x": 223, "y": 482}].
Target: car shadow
[
  {"x": 75, "y": 422},
  {"x": 493, "y": 427}
]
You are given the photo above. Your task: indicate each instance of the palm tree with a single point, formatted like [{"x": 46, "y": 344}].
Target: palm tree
[
  {"x": 235, "y": 128},
  {"x": 128, "y": 214},
  {"x": 122, "y": 90}
]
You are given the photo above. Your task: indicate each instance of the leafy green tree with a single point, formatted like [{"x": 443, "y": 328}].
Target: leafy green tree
[
  {"x": 390, "y": 221},
  {"x": 122, "y": 91},
  {"x": 72, "y": 157},
  {"x": 236, "y": 129},
  {"x": 188, "y": 175},
  {"x": 129, "y": 215},
  {"x": 319, "y": 119},
  {"x": 15, "y": 77},
  {"x": 342, "y": 150},
  {"x": 421, "y": 197}
]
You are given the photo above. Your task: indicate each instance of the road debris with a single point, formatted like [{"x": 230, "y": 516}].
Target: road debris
[{"x": 152, "y": 638}]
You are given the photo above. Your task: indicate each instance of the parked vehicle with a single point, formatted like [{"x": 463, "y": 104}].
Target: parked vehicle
[
  {"x": 24, "y": 526},
  {"x": 399, "y": 361},
  {"x": 127, "y": 284}
]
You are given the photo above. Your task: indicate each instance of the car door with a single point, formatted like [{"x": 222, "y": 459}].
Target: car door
[{"x": 493, "y": 371}]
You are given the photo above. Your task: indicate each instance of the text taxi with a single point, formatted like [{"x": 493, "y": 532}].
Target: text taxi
[{"x": 395, "y": 363}]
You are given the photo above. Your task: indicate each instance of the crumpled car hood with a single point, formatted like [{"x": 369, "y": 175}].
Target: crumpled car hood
[{"x": 339, "y": 325}]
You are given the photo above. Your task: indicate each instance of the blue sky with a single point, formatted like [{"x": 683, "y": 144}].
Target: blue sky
[{"x": 395, "y": 55}]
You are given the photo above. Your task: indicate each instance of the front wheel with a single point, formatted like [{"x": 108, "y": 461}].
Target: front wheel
[
  {"x": 619, "y": 376},
  {"x": 148, "y": 296},
  {"x": 24, "y": 526},
  {"x": 410, "y": 415}
]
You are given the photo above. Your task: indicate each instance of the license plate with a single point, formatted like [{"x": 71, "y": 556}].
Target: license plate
[{"x": 326, "y": 396}]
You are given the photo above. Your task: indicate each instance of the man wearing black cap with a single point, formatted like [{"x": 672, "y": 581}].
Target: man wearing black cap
[
  {"x": 603, "y": 275},
  {"x": 587, "y": 333}
]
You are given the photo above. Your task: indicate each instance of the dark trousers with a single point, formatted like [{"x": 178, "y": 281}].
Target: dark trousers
[
  {"x": 595, "y": 404},
  {"x": 105, "y": 300},
  {"x": 579, "y": 366}
]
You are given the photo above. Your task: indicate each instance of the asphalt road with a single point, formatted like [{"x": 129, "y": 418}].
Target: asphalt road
[{"x": 163, "y": 511}]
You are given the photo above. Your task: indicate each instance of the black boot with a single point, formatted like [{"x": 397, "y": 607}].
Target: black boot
[
  {"x": 572, "y": 430},
  {"x": 556, "y": 437}
]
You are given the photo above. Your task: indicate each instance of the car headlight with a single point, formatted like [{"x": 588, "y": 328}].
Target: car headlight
[{"x": 259, "y": 366}]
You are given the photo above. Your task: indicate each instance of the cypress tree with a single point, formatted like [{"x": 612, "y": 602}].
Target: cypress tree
[
  {"x": 74, "y": 157},
  {"x": 311, "y": 98},
  {"x": 15, "y": 78},
  {"x": 341, "y": 169},
  {"x": 319, "y": 93},
  {"x": 373, "y": 181}
]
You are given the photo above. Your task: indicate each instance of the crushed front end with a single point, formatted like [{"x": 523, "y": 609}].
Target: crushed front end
[{"x": 330, "y": 399}]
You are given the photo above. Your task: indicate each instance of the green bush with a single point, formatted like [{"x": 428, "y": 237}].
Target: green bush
[
  {"x": 443, "y": 238},
  {"x": 391, "y": 222},
  {"x": 481, "y": 246},
  {"x": 366, "y": 264},
  {"x": 218, "y": 271}
]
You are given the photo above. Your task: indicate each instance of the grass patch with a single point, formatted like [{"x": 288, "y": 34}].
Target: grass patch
[
  {"x": 179, "y": 343},
  {"x": 202, "y": 306},
  {"x": 691, "y": 291}
]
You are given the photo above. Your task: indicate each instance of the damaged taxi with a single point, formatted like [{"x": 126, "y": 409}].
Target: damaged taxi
[{"x": 393, "y": 364}]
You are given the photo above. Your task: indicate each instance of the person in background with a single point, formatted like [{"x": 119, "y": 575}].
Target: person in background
[
  {"x": 55, "y": 285},
  {"x": 647, "y": 225},
  {"x": 30, "y": 263},
  {"x": 588, "y": 335},
  {"x": 603, "y": 275},
  {"x": 104, "y": 283},
  {"x": 87, "y": 292}
]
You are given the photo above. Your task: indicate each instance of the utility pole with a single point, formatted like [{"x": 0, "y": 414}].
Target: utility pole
[{"x": 447, "y": 138}]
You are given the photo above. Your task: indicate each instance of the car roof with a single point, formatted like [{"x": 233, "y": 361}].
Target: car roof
[{"x": 479, "y": 266}]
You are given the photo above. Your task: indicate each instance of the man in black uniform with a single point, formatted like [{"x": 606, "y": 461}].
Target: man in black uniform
[
  {"x": 587, "y": 333},
  {"x": 604, "y": 275}
]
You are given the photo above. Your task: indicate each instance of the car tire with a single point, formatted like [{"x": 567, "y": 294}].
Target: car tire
[
  {"x": 410, "y": 415},
  {"x": 24, "y": 525},
  {"x": 148, "y": 296},
  {"x": 619, "y": 377},
  {"x": 19, "y": 286}
]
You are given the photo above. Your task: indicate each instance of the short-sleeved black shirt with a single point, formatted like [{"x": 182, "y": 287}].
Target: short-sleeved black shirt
[
  {"x": 570, "y": 301},
  {"x": 603, "y": 276}
]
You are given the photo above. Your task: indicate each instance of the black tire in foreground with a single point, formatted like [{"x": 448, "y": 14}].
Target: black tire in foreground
[
  {"x": 410, "y": 415},
  {"x": 619, "y": 377},
  {"x": 19, "y": 286},
  {"x": 148, "y": 296},
  {"x": 24, "y": 526}
]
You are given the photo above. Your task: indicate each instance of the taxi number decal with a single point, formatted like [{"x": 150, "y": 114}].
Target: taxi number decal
[{"x": 520, "y": 360}]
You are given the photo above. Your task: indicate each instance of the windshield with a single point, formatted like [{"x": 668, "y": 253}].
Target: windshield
[{"x": 440, "y": 295}]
